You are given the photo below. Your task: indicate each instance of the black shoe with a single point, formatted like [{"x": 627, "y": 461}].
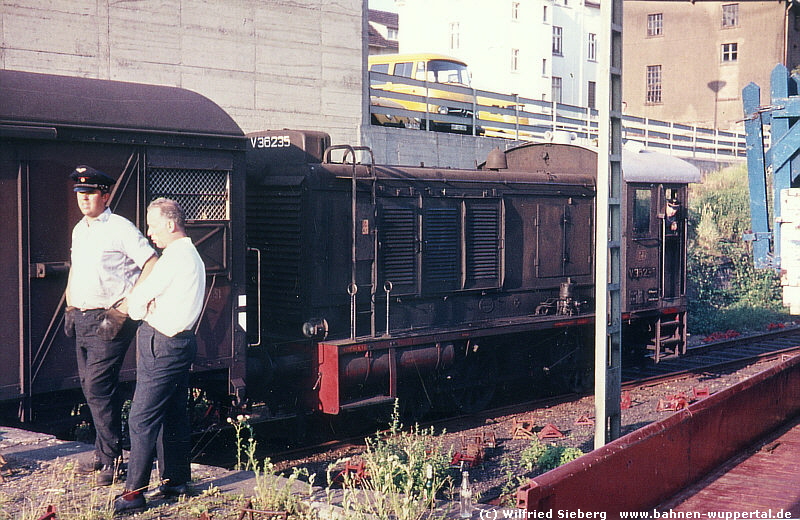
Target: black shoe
[
  {"x": 173, "y": 490},
  {"x": 107, "y": 475},
  {"x": 87, "y": 467},
  {"x": 129, "y": 502}
]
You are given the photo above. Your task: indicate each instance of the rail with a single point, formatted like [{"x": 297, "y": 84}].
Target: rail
[{"x": 405, "y": 102}]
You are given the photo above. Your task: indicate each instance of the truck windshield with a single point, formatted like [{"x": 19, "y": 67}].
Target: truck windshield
[{"x": 443, "y": 71}]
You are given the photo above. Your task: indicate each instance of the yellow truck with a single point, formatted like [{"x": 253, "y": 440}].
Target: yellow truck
[
  {"x": 460, "y": 101},
  {"x": 432, "y": 69}
]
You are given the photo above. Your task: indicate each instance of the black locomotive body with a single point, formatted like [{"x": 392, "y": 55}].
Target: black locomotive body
[
  {"x": 437, "y": 285},
  {"x": 333, "y": 283}
]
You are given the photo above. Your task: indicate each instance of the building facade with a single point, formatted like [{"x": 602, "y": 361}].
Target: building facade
[
  {"x": 687, "y": 62},
  {"x": 297, "y": 64},
  {"x": 383, "y": 32},
  {"x": 539, "y": 49}
]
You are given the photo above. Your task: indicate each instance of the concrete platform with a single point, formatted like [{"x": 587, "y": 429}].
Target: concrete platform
[{"x": 761, "y": 479}]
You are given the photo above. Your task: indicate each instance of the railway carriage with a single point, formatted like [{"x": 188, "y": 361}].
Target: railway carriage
[
  {"x": 333, "y": 283},
  {"x": 156, "y": 141}
]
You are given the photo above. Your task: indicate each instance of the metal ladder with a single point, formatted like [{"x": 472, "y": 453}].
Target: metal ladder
[{"x": 669, "y": 339}]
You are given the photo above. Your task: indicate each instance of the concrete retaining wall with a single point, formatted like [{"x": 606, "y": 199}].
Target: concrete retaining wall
[
  {"x": 270, "y": 65},
  {"x": 407, "y": 147}
]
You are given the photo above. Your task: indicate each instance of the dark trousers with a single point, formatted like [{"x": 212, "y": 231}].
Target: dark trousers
[
  {"x": 159, "y": 419},
  {"x": 99, "y": 363}
]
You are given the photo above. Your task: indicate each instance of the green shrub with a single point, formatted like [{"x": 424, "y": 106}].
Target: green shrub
[
  {"x": 726, "y": 292},
  {"x": 555, "y": 456},
  {"x": 534, "y": 458}
]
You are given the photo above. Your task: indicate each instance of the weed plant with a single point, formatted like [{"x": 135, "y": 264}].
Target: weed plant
[
  {"x": 397, "y": 485},
  {"x": 245, "y": 442},
  {"x": 272, "y": 493}
]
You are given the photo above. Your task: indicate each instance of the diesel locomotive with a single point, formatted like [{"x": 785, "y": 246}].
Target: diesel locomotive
[{"x": 333, "y": 283}]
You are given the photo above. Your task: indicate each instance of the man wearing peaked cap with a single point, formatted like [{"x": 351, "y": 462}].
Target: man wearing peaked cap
[
  {"x": 109, "y": 256},
  {"x": 87, "y": 179}
]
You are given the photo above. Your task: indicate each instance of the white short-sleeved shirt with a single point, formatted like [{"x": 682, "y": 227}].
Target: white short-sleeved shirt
[
  {"x": 107, "y": 257},
  {"x": 176, "y": 287}
]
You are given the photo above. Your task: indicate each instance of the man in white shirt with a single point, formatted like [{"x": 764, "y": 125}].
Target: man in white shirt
[
  {"x": 108, "y": 256},
  {"x": 170, "y": 302}
]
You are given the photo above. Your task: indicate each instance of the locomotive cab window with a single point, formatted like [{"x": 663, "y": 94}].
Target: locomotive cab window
[{"x": 642, "y": 209}]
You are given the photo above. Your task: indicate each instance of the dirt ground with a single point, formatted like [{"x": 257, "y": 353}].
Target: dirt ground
[{"x": 490, "y": 477}]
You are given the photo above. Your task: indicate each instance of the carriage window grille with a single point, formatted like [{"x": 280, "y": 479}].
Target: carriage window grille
[{"x": 203, "y": 194}]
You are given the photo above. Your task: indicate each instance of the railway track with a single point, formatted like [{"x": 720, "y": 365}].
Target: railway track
[{"x": 716, "y": 357}]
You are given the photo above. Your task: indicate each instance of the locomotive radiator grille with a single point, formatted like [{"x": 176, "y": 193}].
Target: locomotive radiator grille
[
  {"x": 441, "y": 251},
  {"x": 398, "y": 245},
  {"x": 275, "y": 228},
  {"x": 482, "y": 244},
  {"x": 457, "y": 247},
  {"x": 203, "y": 194}
]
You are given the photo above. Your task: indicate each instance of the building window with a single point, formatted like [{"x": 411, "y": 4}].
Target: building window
[
  {"x": 391, "y": 34},
  {"x": 591, "y": 92},
  {"x": 558, "y": 34},
  {"x": 544, "y": 14},
  {"x": 514, "y": 60},
  {"x": 730, "y": 52},
  {"x": 544, "y": 66},
  {"x": 730, "y": 15},
  {"x": 454, "y": 36},
  {"x": 515, "y": 11},
  {"x": 654, "y": 84},
  {"x": 655, "y": 24},
  {"x": 556, "y": 89},
  {"x": 591, "y": 51}
]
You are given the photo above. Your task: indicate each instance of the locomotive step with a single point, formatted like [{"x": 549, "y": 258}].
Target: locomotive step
[
  {"x": 670, "y": 323},
  {"x": 370, "y": 401},
  {"x": 666, "y": 343}
]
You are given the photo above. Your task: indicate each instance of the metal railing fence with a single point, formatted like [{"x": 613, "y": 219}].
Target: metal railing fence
[{"x": 400, "y": 101}]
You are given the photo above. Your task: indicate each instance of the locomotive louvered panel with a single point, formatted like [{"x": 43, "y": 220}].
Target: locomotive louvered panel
[
  {"x": 274, "y": 228},
  {"x": 203, "y": 194},
  {"x": 441, "y": 256},
  {"x": 482, "y": 236},
  {"x": 398, "y": 238}
]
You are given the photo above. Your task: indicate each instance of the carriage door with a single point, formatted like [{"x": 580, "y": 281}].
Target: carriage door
[{"x": 36, "y": 260}]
